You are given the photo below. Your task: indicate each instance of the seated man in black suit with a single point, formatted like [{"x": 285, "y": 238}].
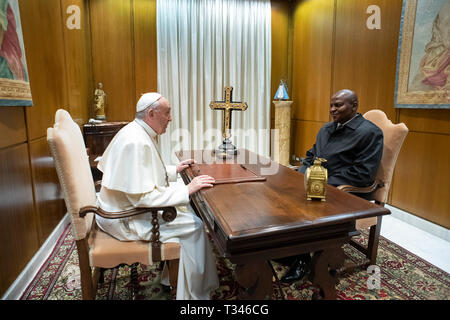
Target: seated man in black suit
[{"x": 352, "y": 146}]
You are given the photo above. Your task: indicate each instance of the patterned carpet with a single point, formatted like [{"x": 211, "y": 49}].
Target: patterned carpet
[{"x": 404, "y": 276}]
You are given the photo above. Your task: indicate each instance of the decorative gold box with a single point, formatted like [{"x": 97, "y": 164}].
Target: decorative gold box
[{"x": 316, "y": 178}]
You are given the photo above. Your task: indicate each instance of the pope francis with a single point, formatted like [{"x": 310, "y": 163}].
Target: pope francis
[{"x": 134, "y": 175}]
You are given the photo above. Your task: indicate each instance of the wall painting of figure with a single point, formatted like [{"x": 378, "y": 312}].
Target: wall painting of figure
[{"x": 423, "y": 65}]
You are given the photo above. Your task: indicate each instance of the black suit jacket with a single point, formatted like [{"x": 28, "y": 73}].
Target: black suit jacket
[{"x": 353, "y": 152}]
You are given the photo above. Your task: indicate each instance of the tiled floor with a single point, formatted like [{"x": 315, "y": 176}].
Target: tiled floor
[{"x": 431, "y": 248}]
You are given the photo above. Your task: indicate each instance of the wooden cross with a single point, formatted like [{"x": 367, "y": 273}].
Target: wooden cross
[{"x": 227, "y": 106}]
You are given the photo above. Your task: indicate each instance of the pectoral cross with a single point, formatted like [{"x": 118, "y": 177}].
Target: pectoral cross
[{"x": 227, "y": 106}]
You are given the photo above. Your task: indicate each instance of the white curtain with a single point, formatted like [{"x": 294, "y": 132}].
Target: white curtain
[{"x": 203, "y": 46}]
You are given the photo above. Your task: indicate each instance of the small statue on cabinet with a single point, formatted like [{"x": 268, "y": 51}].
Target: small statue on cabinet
[{"x": 100, "y": 102}]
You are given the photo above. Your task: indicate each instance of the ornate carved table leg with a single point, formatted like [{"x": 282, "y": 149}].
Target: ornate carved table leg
[
  {"x": 255, "y": 279},
  {"x": 323, "y": 271},
  {"x": 134, "y": 281}
]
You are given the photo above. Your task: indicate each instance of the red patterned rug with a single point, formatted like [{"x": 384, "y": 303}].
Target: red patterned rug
[{"x": 403, "y": 276}]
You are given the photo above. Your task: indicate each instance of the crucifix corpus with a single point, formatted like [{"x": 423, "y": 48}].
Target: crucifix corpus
[{"x": 227, "y": 148}]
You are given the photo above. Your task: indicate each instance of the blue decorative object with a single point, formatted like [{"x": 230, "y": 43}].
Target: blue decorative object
[{"x": 281, "y": 92}]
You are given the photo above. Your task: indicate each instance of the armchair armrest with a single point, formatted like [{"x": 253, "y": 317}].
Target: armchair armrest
[
  {"x": 369, "y": 189},
  {"x": 169, "y": 214}
]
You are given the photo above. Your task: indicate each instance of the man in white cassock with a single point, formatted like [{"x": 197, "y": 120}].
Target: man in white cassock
[{"x": 134, "y": 175}]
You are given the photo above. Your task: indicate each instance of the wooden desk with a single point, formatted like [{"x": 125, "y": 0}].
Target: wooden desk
[{"x": 253, "y": 222}]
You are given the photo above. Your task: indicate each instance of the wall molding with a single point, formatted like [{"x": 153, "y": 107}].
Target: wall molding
[
  {"x": 422, "y": 224},
  {"x": 17, "y": 288}
]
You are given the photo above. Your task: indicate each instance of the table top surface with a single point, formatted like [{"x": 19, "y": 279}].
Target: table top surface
[
  {"x": 106, "y": 124},
  {"x": 278, "y": 204}
]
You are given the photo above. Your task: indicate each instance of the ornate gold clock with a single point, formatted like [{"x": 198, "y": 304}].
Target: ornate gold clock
[{"x": 316, "y": 178}]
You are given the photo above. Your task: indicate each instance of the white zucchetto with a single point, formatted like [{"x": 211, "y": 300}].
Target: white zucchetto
[{"x": 147, "y": 100}]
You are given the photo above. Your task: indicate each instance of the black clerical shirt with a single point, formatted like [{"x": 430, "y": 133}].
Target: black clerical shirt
[{"x": 353, "y": 152}]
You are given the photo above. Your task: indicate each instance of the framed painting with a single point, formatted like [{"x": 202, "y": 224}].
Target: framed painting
[
  {"x": 423, "y": 64},
  {"x": 14, "y": 83}
]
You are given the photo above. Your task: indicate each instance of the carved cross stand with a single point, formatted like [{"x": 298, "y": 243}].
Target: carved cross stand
[{"x": 227, "y": 148}]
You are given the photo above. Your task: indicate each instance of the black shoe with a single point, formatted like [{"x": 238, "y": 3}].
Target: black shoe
[{"x": 296, "y": 272}]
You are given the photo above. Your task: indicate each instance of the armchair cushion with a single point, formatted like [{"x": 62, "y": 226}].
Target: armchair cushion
[{"x": 108, "y": 252}]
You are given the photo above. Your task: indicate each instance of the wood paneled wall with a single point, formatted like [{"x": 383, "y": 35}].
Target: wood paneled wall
[
  {"x": 332, "y": 50},
  {"x": 78, "y": 62},
  {"x": 59, "y": 67},
  {"x": 144, "y": 26},
  {"x": 281, "y": 46},
  {"x": 312, "y": 66},
  {"x": 12, "y": 126},
  {"x": 18, "y": 223},
  {"x": 124, "y": 53},
  {"x": 45, "y": 60},
  {"x": 113, "y": 57}
]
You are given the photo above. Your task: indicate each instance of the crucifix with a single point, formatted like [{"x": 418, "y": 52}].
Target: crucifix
[{"x": 227, "y": 148}]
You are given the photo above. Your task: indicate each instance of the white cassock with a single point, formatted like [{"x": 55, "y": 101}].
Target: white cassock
[{"x": 135, "y": 176}]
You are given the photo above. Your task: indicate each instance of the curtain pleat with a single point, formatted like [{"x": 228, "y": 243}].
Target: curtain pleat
[{"x": 203, "y": 46}]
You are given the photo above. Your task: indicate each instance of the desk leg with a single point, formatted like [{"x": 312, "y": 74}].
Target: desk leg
[
  {"x": 323, "y": 271},
  {"x": 255, "y": 279}
]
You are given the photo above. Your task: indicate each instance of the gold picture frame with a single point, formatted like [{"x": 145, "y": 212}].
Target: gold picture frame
[
  {"x": 422, "y": 79},
  {"x": 14, "y": 82}
]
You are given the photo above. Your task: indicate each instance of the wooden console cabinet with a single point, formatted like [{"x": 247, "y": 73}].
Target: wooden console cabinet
[{"x": 96, "y": 138}]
